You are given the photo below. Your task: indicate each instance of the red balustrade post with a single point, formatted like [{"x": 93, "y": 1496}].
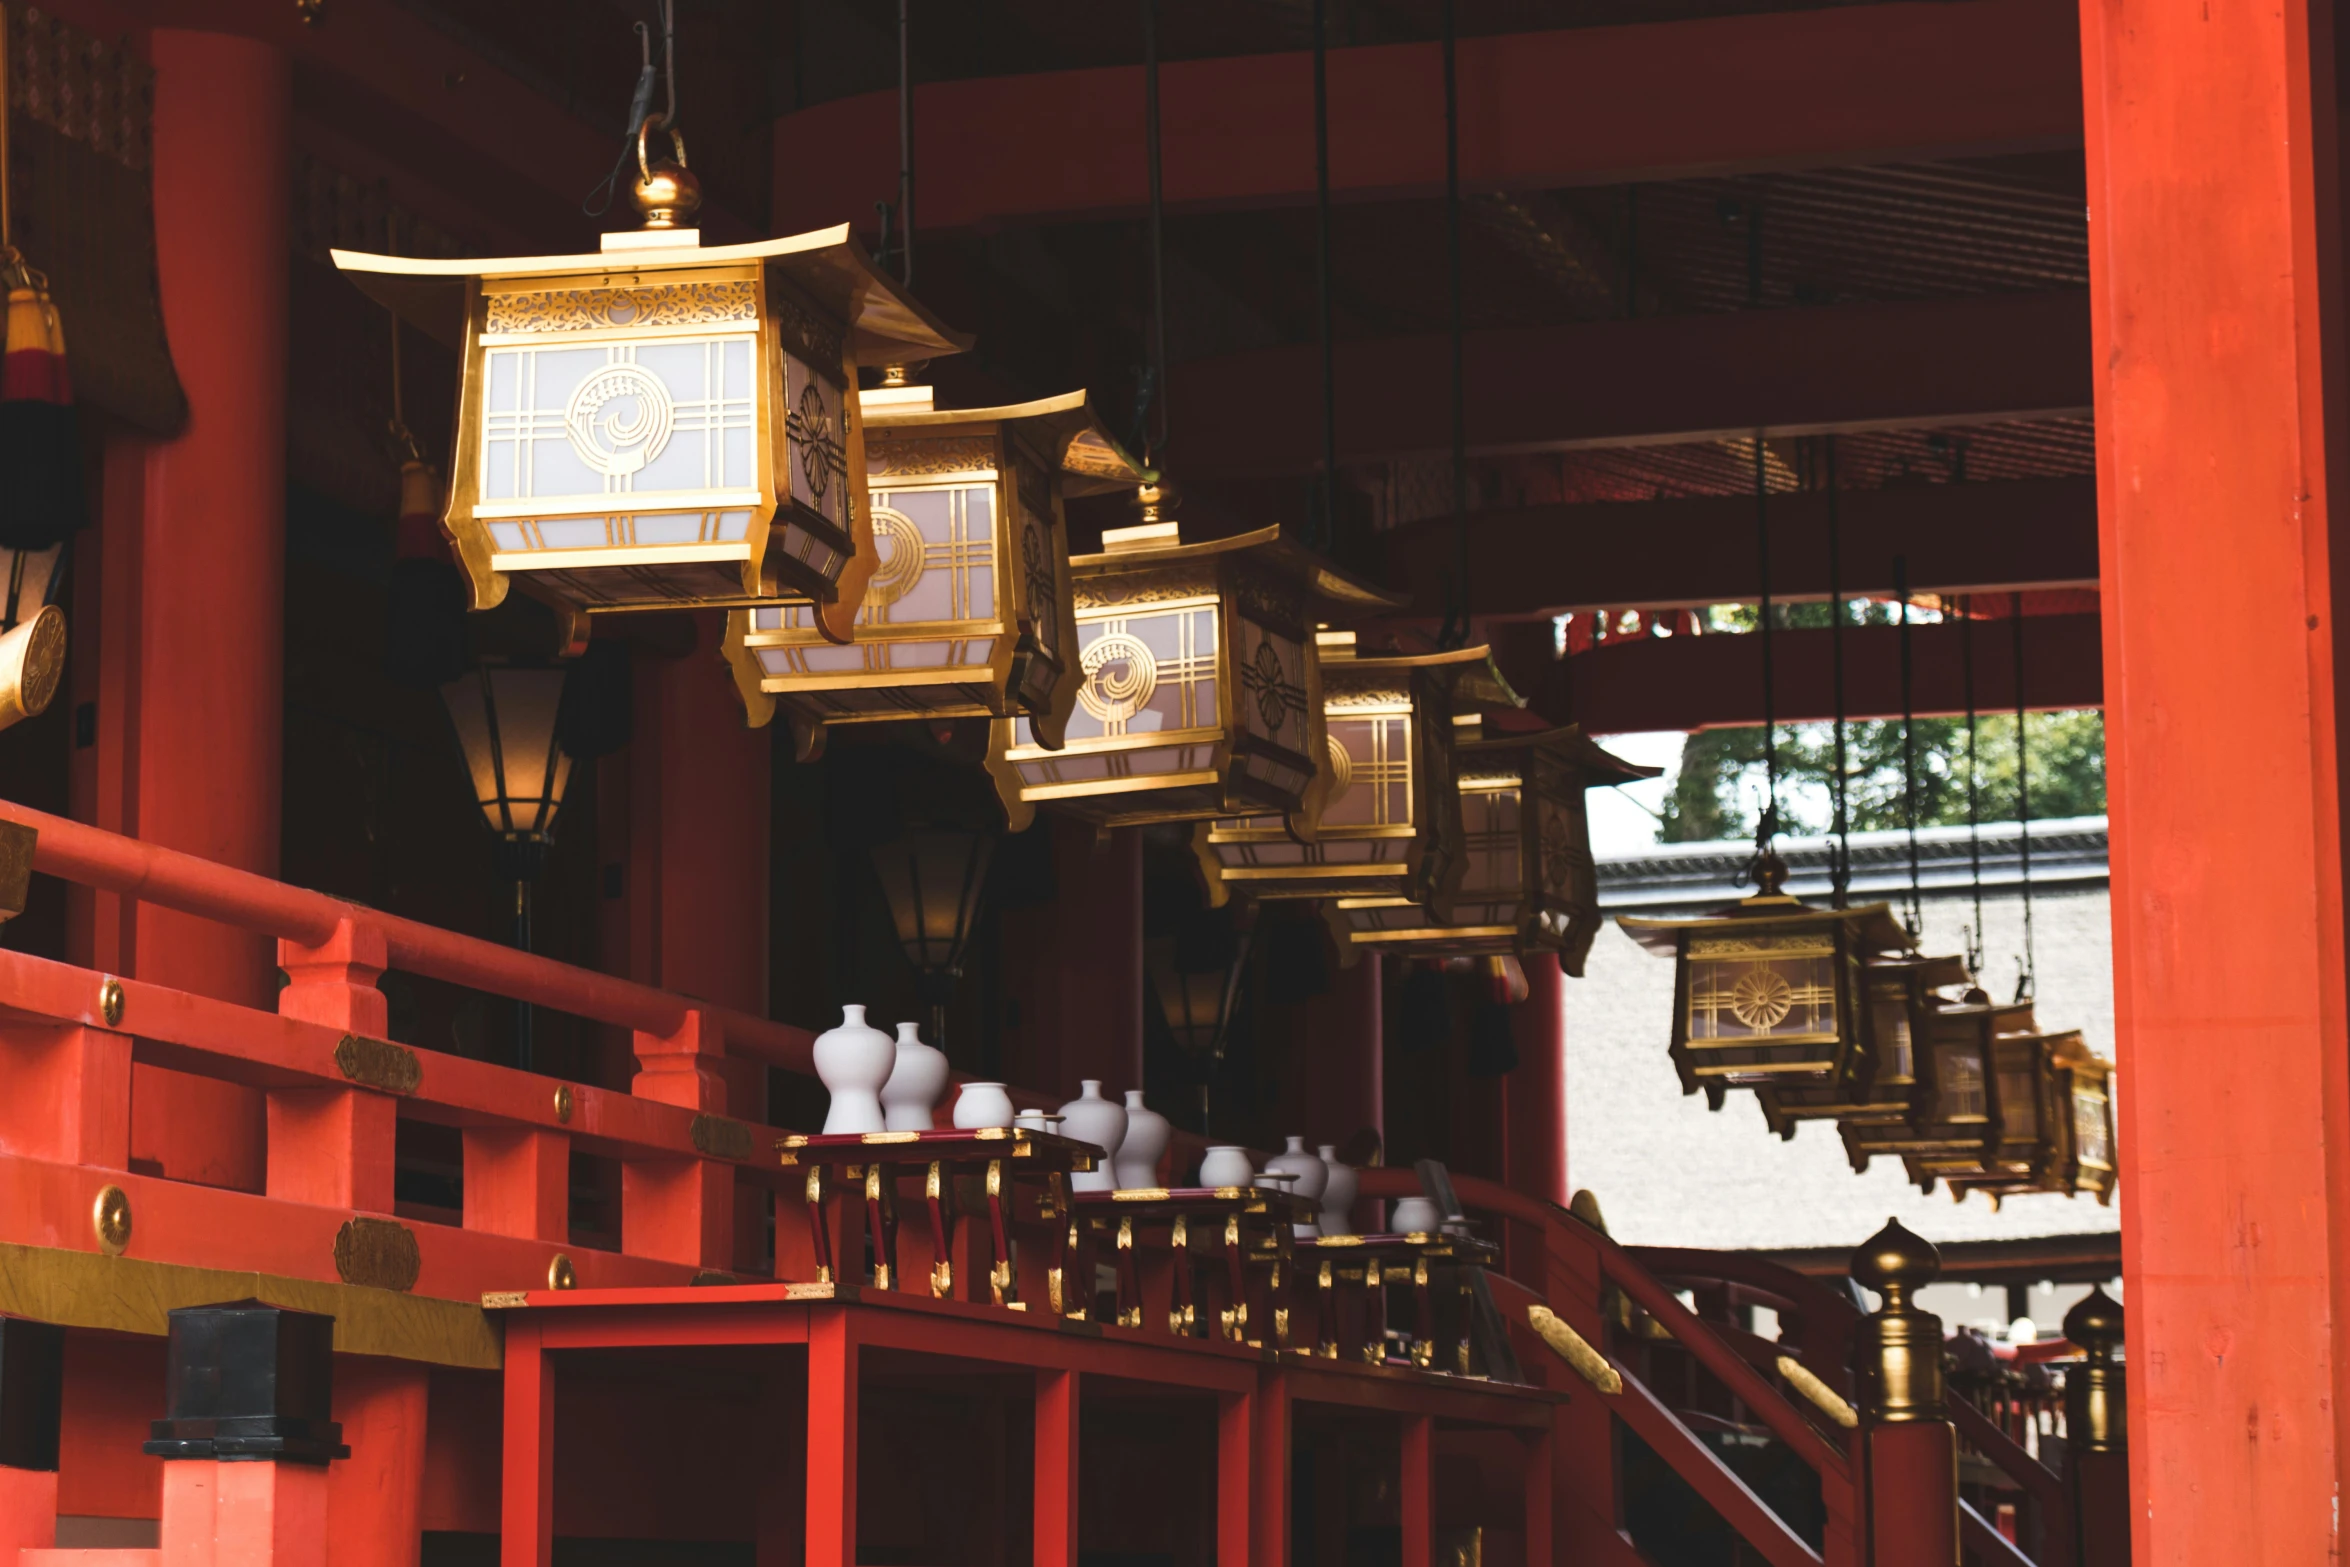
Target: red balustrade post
[
  {"x": 333, "y": 1146},
  {"x": 1056, "y": 1468},
  {"x": 1268, "y": 1472},
  {"x": 518, "y": 1182},
  {"x": 526, "y": 1506},
  {"x": 375, "y": 1497},
  {"x": 69, "y": 1094},
  {"x": 1236, "y": 1433},
  {"x": 681, "y": 1210},
  {"x": 335, "y": 982},
  {"x": 246, "y": 1440},
  {"x": 1417, "y": 1486},
  {"x": 1908, "y": 1449},
  {"x": 832, "y": 1439}
]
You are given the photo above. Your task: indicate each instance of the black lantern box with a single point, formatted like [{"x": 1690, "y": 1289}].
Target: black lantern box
[{"x": 1880, "y": 1084}]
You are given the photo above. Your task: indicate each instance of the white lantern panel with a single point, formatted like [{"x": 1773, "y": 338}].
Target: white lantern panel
[
  {"x": 1370, "y": 762},
  {"x": 566, "y": 425},
  {"x": 934, "y": 554},
  {"x": 1958, "y": 1078},
  {"x": 2089, "y": 1140},
  {"x": 527, "y": 534},
  {"x": 1083, "y": 767},
  {"x": 1144, "y": 674},
  {"x": 872, "y": 657}
]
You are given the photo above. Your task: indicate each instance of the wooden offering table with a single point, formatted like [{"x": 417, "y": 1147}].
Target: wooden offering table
[
  {"x": 1361, "y": 1267},
  {"x": 996, "y": 1158},
  {"x": 1150, "y": 1230}
]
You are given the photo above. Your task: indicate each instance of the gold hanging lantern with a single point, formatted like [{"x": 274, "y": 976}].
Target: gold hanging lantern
[
  {"x": 968, "y": 611},
  {"x": 1879, "y": 1085},
  {"x": 2050, "y": 1101},
  {"x": 2084, "y": 1124},
  {"x": 1770, "y": 990},
  {"x": 662, "y": 424},
  {"x": 1955, "y": 1110},
  {"x": 1201, "y": 693},
  {"x": 1528, "y": 881},
  {"x": 1388, "y": 821}
]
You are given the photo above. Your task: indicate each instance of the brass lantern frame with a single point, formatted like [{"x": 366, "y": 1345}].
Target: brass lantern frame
[
  {"x": 1015, "y": 657},
  {"x": 1212, "y": 644},
  {"x": 2084, "y": 1142},
  {"x": 1529, "y": 882},
  {"x": 781, "y": 325},
  {"x": 1388, "y": 821},
  {"x": 1769, "y": 990},
  {"x": 1880, "y": 1084}
]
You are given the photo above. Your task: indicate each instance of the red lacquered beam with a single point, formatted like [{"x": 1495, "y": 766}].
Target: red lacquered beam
[{"x": 167, "y": 878}]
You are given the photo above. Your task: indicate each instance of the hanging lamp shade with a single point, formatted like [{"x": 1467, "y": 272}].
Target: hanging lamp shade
[
  {"x": 1879, "y": 1083},
  {"x": 1528, "y": 881},
  {"x": 1389, "y": 817},
  {"x": 932, "y": 878},
  {"x": 1201, "y": 690},
  {"x": 505, "y": 718},
  {"x": 662, "y": 424},
  {"x": 1953, "y": 1109},
  {"x": 2043, "y": 1088},
  {"x": 1769, "y": 990},
  {"x": 2084, "y": 1143},
  {"x": 968, "y": 611}
]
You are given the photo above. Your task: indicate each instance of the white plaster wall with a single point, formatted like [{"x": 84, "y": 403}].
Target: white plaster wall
[{"x": 1669, "y": 1173}]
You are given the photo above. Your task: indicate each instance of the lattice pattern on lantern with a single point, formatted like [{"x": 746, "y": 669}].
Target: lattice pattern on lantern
[
  {"x": 1953, "y": 1106},
  {"x": 1388, "y": 822},
  {"x": 661, "y": 424},
  {"x": 1527, "y": 880},
  {"x": 967, "y": 613},
  {"x": 1769, "y": 991},
  {"x": 2049, "y": 1099},
  {"x": 1879, "y": 1084},
  {"x": 2084, "y": 1154},
  {"x": 1202, "y": 688}
]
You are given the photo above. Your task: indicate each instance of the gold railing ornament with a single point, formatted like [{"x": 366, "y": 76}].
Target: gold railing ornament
[
  {"x": 1528, "y": 881},
  {"x": 1769, "y": 989},
  {"x": 1387, "y": 818},
  {"x": 2095, "y": 1403},
  {"x": 662, "y": 424},
  {"x": 1202, "y": 688},
  {"x": 1576, "y": 1350},
  {"x": 1821, "y": 1396},
  {"x": 1898, "y": 1352},
  {"x": 968, "y": 612}
]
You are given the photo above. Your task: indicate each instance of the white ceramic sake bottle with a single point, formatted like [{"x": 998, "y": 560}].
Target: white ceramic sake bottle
[
  {"x": 1311, "y": 1175},
  {"x": 1147, "y": 1135},
  {"x": 853, "y": 1061},
  {"x": 1338, "y": 1193},
  {"x": 915, "y": 1084},
  {"x": 1092, "y": 1119}
]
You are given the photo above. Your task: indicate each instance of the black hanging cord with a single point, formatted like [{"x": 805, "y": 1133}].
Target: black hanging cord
[
  {"x": 2027, "y": 979},
  {"x": 1456, "y": 616},
  {"x": 905, "y": 141},
  {"x": 1840, "y": 856},
  {"x": 1974, "y": 821},
  {"x": 1766, "y": 825},
  {"x": 1913, "y": 916},
  {"x": 640, "y": 105},
  {"x": 1155, "y": 440},
  {"x": 1326, "y": 524}
]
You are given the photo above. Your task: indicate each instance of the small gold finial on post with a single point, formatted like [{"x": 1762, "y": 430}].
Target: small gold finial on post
[
  {"x": 1900, "y": 1359},
  {"x": 2095, "y": 1406}
]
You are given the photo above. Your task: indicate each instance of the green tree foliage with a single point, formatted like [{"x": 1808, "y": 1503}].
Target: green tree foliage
[{"x": 1720, "y": 783}]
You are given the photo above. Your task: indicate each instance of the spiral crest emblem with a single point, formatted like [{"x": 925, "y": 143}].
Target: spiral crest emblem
[
  {"x": 1120, "y": 675},
  {"x": 900, "y": 555},
  {"x": 620, "y": 419},
  {"x": 1342, "y": 766}
]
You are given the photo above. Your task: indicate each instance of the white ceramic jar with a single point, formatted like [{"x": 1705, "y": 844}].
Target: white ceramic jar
[
  {"x": 914, "y": 1086},
  {"x": 1145, "y": 1143},
  {"x": 982, "y": 1105},
  {"x": 1338, "y": 1193},
  {"x": 853, "y": 1061},
  {"x": 1227, "y": 1164},
  {"x": 1090, "y": 1118},
  {"x": 1310, "y": 1175},
  {"x": 1415, "y": 1216}
]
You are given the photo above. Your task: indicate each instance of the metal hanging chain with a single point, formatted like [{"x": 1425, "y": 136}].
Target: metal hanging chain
[
  {"x": 1456, "y": 615},
  {"x": 2027, "y": 979},
  {"x": 1913, "y": 916},
  {"x": 1326, "y": 525},
  {"x": 1766, "y": 826},
  {"x": 1974, "y": 820},
  {"x": 1840, "y": 861},
  {"x": 640, "y": 105},
  {"x": 905, "y": 140},
  {"x": 1155, "y": 443}
]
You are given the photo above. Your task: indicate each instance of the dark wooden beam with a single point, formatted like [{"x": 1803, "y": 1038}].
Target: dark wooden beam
[
  {"x": 1708, "y": 682},
  {"x": 1644, "y": 382},
  {"x": 1957, "y": 538},
  {"x": 1572, "y": 106}
]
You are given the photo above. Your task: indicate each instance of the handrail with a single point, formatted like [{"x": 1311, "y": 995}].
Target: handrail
[
  {"x": 167, "y": 878},
  {"x": 1986, "y": 1542},
  {"x": 1785, "y": 1421},
  {"x": 2008, "y": 1455}
]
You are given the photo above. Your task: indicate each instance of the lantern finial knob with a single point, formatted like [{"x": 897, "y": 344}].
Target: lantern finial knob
[
  {"x": 1770, "y": 875},
  {"x": 666, "y": 191}
]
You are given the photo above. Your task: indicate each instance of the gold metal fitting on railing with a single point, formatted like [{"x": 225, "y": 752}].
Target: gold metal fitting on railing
[
  {"x": 1899, "y": 1358},
  {"x": 2095, "y": 1407},
  {"x": 1823, "y": 1397},
  {"x": 1575, "y": 1349}
]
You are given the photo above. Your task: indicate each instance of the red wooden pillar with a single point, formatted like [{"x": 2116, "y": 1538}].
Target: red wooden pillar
[
  {"x": 832, "y": 1439},
  {"x": 1339, "y": 1087},
  {"x": 374, "y": 1498},
  {"x": 333, "y": 1146},
  {"x": 1236, "y": 1440},
  {"x": 526, "y": 1510},
  {"x": 1268, "y": 1473},
  {"x": 1417, "y": 1490},
  {"x": 222, "y": 1513},
  {"x": 2215, "y": 287},
  {"x": 1537, "y": 1090},
  {"x": 1056, "y": 1469}
]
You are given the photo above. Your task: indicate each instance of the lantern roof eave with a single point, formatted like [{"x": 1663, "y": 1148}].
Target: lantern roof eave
[
  {"x": 830, "y": 265},
  {"x": 1338, "y": 596},
  {"x": 1086, "y": 451},
  {"x": 1574, "y": 747},
  {"x": 1873, "y": 924}
]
